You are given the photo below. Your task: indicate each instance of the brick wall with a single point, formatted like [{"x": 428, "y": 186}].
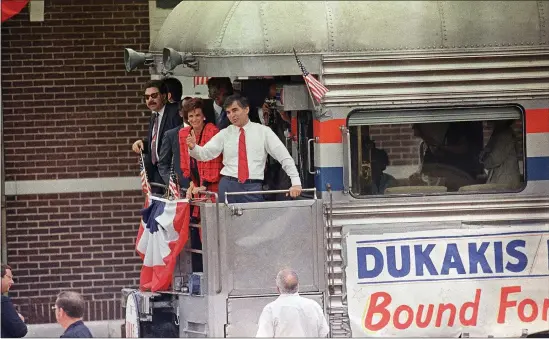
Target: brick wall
[
  {"x": 70, "y": 108},
  {"x": 78, "y": 241},
  {"x": 71, "y": 111}
]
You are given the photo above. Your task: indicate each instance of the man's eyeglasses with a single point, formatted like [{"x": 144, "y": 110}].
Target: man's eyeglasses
[{"x": 154, "y": 96}]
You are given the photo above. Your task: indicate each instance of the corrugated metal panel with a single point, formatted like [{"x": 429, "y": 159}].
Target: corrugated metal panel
[{"x": 436, "y": 77}]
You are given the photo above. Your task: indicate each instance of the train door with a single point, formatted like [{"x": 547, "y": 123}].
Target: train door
[{"x": 305, "y": 149}]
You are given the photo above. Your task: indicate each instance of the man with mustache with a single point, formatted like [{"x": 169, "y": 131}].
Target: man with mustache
[{"x": 165, "y": 116}]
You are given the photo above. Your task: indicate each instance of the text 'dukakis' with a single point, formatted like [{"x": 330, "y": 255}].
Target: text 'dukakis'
[{"x": 481, "y": 281}]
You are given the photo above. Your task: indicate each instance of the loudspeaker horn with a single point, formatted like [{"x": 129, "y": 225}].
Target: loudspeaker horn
[
  {"x": 133, "y": 59},
  {"x": 171, "y": 58}
]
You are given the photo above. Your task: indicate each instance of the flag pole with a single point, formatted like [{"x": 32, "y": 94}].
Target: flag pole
[
  {"x": 144, "y": 168},
  {"x": 306, "y": 84}
]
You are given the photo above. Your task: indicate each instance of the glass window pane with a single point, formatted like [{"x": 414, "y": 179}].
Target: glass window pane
[{"x": 437, "y": 151}]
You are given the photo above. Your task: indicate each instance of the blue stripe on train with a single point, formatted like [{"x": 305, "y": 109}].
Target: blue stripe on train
[
  {"x": 329, "y": 175},
  {"x": 537, "y": 168}
]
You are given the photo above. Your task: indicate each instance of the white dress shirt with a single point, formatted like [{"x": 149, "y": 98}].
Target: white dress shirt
[
  {"x": 159, "y": 122},
  {"x": 260, "y": 140},
  {"x": 291, "y": 315}
]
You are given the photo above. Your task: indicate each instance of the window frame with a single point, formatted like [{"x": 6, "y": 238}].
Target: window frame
[{"x": 522, "y": 117}]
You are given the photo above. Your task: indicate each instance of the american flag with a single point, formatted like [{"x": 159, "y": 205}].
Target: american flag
[
  {"x": 173, "y": 186},
  {"x": 316, "y": 88},
  {"x": 200, "y": 81},
  {"x": 144, "y": 181}
]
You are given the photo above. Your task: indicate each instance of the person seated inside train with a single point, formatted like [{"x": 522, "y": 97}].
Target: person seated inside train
[
  {"x": 203, "y": 175},
  {"x": 380, "y": 180},
  {"x": 450, "y": 151},
  {"x": 500, "y": 156}
]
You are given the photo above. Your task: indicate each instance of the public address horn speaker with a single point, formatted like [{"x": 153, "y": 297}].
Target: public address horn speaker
[
  {"x": 171, "y": 58},
  {"x": 133, "y": 59}
]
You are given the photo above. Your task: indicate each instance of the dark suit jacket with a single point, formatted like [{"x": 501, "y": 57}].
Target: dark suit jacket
[
  {"x": 224, "y": 123},
  {"x": 253, "y": 115},
  {"x": 12, "y": 325},
  {"x": 170, "y": 120},
  {"x": 77, "y": 330},
  {"x": 168, "y": 151}
]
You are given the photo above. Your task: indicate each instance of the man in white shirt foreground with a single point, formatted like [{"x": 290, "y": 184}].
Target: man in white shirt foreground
[
  {"x": 245, "y": 146},
  {"x": 291, "y": 315}
]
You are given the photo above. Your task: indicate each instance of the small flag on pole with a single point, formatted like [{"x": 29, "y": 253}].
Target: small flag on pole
[
  {"x": 316, "y": 88},
  {"x": 200, "y": 81},
  {"x": 144, "y": 181},
  {"x": 173, "y": 186}
]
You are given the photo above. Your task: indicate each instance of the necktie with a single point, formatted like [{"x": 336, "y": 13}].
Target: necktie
[
  {"x": 243, "y": 173},
  {"x": 153, "y": 141},
  {"x": 222, "y": 116}
]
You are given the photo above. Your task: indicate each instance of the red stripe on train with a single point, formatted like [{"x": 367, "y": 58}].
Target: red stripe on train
[
  {"x": 328, "y": 131},
  {"x": 537, "y": 120}
]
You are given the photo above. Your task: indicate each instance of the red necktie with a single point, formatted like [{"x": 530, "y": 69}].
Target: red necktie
[{"x": 243, "y": 173}]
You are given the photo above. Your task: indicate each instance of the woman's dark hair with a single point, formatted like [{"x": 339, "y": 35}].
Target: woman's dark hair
[
  {"x": 195, "y": 103},
  {"x": 183, "y": 102}
]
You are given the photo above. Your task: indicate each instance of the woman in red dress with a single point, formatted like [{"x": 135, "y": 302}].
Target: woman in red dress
[{"x": 203, "y": 175}]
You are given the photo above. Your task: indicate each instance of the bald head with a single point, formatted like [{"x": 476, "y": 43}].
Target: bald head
[{"x": 287, "y": 282}]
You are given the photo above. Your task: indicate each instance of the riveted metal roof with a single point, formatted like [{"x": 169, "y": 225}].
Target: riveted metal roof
[
  {"x": 255, "y": 38},
  {"x": 272, "y": 27}
]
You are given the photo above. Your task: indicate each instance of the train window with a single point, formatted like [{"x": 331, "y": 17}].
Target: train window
[{"x": 436, "y": 151}]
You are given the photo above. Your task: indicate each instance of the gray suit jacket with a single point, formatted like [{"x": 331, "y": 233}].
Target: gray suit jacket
[
  {"x": 170, "y": 119},
  {"x": 169, "y": 150}
]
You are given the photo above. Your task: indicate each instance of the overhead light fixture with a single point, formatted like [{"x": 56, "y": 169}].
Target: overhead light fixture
[
  {"x": 133, "y": 59},
  {"x": 172, "y": 58}
]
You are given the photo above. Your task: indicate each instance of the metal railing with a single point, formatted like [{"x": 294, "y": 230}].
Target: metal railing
[
  {"x": 238, "y": 210},
  {"x": 267, "y": 192}
]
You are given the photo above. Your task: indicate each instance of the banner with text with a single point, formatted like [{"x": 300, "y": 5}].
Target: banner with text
[{"x": 484, "y": 281}]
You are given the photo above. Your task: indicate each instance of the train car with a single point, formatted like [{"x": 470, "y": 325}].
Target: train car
[{"x": 426, "y": 167}]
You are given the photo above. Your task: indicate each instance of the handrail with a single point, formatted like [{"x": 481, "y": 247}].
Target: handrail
[
  {"x": 155, "y": 184},
  {"x": 331, "y": 278},
  {"x": 347, "y": 170},
  {"x": 218, "y": 278},
  {"x": 309, "y": 162},
  {"x": 267, "y": 192}
]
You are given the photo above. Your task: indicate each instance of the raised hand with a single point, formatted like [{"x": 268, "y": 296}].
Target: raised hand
[{"x": 191, "y": 140}]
